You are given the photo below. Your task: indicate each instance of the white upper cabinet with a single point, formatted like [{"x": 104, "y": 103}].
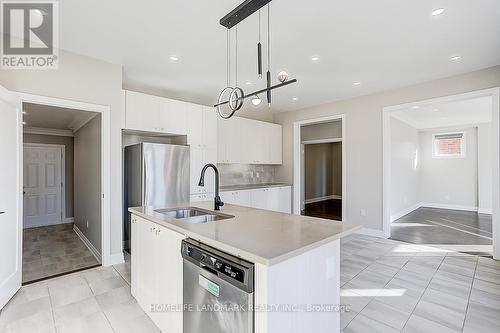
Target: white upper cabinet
[
  {"x": 150, "y": 113},
  {"x": 275, "y": 142},
  {"x": 142, "y": 112},
  {"x": 210, "y": 127},
  {"x": 249, "y": 141},
  {"x": 230, "y": 140},
  {"x": 202, "y": 127},
  {"x": 173, "y": 116}
]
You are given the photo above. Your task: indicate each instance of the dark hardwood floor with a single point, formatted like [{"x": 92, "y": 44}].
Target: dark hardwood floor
[{"x": 328, "y": 209}]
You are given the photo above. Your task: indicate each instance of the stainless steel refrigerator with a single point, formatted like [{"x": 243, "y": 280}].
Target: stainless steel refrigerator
[{"x": 155, "y": 175}]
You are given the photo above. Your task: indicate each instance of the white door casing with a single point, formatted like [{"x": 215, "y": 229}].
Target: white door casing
[
  {"x": 43, "y": 185},
  {"x": 10, "y": 195}
]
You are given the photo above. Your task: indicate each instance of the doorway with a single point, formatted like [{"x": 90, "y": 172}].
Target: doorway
[
  {"x": 319, "y": 168},
  {"x": 441, "y": 172},
  {"x": 61, "y": 191}
]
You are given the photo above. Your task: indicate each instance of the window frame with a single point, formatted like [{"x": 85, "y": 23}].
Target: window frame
[{"x": 463, "y": 145}]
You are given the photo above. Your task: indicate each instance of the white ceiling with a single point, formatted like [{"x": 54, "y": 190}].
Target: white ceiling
[
  {"x": 383, "y": 44},
  {"x": 43, "y": 116},
  {"x": 449, "y": 114}
]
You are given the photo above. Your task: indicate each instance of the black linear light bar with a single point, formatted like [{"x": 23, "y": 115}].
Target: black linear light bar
[
  {"x": 241, "y": 12},
  {"x": 261, "y": 91}
]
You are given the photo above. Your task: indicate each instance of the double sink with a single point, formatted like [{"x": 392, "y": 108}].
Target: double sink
[{"x": 193, "y": 215}]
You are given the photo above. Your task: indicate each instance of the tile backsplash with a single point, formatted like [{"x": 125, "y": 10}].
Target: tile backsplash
[{"x": 243, "y": 174}]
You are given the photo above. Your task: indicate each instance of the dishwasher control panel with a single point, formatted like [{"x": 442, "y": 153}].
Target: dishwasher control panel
[{"x": 217, "y": 262}]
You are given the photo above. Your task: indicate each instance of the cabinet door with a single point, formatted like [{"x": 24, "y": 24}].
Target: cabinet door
[
  {"x": 235, "y": 149},
  {"x": 226, "y": 197},
  {"x": 259, "y": 198},
  {"x": 285, "y": 199},
  {"x": 273, "y": 198},
  {"x": 196, "y": 164},
  {"x": 243, "y": 198},
  {"x": 209, "y": 128},
  {"x": 173, "y": 116},
  {"x": 275, "y": 144},
  {"x": 169, "y": 279},
  {"x": 134, "y": 256},
  {"x": 229, "y": 140},
  {"x": 222, "y": 138},
  {"x": 147, "y": 257},
  {"x": 195, "y": 125},
  {"x": 209, "y": 156},
  {"x": 142, "y": 112}
]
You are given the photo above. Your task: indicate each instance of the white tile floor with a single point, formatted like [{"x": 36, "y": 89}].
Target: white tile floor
[
  {"x": 390, "y": 286},
  {"x": 393, "y": 286},
  {"x": 93, "y": 301}
]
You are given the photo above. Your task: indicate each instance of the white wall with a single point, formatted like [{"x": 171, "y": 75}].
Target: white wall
[
  {"x": 88, "y": 80},
  {"x": 405, "y": 165},
  {"x": 484, "y": 169},
  {"x": 363, "y": 120},
  {"x": 88, "y": 181},
  {"x": 449, "y": 181}
]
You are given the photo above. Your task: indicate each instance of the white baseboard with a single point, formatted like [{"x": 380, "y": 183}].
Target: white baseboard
[
  {"x": 371, "y": 232},
  {"x": 446, "y": 206},
  {"x": 69, "y": 220},
  {"x": 318, "y": 199},
  {"x": 488, "y": 211},
  {"x": 87, "y": 243},
  {"x": 114, "y": 259},
  {"x": 404, "y": 212}
]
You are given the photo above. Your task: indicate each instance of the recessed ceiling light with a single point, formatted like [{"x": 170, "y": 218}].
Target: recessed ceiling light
[
  {"x": 294, "y": 98},
  {"x": 455, "y": 58},
  {"x": 248, "y": 83},
  {"x": 414, "y": 107},
  {"x": 173, "y": 59},
  {"x": 437, "y": 12},
  {"x": 435, "y": 110},
  {"x": 357, "y": 83},
  {"x": 314, "y": 58}
]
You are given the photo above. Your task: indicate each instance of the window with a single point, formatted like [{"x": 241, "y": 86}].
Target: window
[{"x": 448, "y": 144}]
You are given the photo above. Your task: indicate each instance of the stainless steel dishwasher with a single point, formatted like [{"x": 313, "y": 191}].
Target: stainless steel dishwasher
[{"x": 218, "y": 291}]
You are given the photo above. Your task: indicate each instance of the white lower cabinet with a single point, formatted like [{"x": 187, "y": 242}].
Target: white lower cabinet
[
  {"x": 157, "y": 273},
  {"x": 277, "y": 199}
]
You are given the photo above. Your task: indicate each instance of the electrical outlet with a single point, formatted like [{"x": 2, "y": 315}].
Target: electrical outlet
[
  {"x": 87, "y": 224},
  {"x": 362, "y": 212}
]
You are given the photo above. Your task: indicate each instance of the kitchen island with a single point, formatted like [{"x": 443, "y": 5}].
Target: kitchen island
[{"x": 296, "y": 260}]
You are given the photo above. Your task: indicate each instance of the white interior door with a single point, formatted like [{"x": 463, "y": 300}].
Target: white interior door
[
  {"x": 42, "y": 185},
  {"x": 10, "y": 196}
]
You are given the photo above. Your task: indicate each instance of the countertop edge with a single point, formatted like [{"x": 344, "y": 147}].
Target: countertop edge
[
  {"x": 242, "y": 253},
  {"x": 229, "y": 188}
]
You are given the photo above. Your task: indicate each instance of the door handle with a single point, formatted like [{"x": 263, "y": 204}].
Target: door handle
[{"x": 2, "y": 212}]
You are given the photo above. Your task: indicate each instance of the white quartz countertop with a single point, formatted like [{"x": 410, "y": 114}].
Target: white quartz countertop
[
  {"x": 256, "y": 235},
  {"x": 251, "y": 186}
]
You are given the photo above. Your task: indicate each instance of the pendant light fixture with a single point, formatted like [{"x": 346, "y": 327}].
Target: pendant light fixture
[
  {"x": 259, "y": 54},
  {"x": 232, "y": 98}
]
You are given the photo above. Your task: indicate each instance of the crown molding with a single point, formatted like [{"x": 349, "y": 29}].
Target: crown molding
[{"x": 48, "y": 131}]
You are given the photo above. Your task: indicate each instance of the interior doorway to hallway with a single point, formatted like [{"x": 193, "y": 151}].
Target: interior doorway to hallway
[
  {"x": 319, "y": 168},
  {"x": 62, "y": 191}
]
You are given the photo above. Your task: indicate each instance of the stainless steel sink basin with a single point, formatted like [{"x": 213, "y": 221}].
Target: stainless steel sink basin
[
  {"x": 182, "y": 213},
  {"x": 193, "y": 215}
]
